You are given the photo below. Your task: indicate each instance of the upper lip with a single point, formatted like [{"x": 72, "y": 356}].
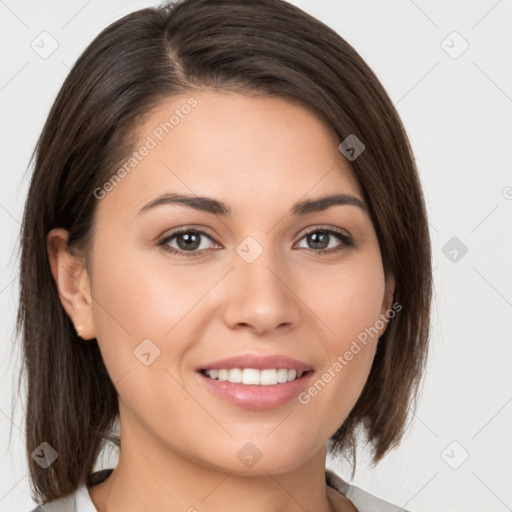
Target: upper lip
[{"x": 258, "y": 362}]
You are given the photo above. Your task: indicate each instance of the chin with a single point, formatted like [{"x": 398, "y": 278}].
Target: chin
[{"x": 260, "y": 459}]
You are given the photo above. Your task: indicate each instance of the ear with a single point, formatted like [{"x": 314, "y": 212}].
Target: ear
[
  {"x": 389, "y": 292},
  {"x": 387, "y": 301},
  {"x": 72, "y": 280}
]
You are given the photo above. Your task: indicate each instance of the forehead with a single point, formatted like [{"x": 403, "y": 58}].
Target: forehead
[{"x": 237, "y": 148}]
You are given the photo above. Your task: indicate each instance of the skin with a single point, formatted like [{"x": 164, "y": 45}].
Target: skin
[{"x": 179, "y": 441}]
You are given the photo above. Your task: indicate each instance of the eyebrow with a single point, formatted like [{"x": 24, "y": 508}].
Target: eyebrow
[{"x": 210, "y": 205}]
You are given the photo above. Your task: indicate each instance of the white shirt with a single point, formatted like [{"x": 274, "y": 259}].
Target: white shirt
[{"x": 80, "y": 500}]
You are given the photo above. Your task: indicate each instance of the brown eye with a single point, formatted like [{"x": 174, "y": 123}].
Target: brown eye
[
  {"x": 323, "y": 240},
  {"x": 188, "y": 242}
]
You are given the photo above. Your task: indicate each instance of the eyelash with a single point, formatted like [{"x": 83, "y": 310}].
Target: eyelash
[{"x": 346, "y": 241}]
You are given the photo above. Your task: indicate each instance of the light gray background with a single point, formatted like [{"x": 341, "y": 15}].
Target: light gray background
[{"x": 457, "y": 112}]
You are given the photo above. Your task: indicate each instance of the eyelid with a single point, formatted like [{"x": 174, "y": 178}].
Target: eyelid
[{"x": 322, "y": 227}]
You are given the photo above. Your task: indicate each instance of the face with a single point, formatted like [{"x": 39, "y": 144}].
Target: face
[{"x": 287, "y": 288}]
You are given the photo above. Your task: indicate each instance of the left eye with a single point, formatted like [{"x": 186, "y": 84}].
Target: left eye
[{"x": 320, "y": 239}]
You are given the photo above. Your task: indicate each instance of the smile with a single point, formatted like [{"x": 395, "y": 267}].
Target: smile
[
  {"x": 253, "y": 376},
  {"x": 257, "y": 389}
]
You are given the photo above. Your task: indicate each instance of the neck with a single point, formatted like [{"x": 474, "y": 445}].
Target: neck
[{"x": 150, "y": 477}]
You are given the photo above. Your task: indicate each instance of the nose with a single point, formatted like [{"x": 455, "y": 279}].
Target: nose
[{"x": 261, "y": 296}]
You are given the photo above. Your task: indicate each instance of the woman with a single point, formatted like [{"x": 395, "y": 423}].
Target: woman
[{"x": 226, "y": 254}]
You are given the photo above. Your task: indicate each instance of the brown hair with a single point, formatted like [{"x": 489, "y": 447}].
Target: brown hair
[{"x": 271, "y": 48}]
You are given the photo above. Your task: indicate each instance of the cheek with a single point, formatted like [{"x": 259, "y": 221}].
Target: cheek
[
  {"x": 350, "y": 299},
  {"x": 351, "y": 302},
  {"x": 137, "y": 300},
  {"x": 146, "y": 299}
]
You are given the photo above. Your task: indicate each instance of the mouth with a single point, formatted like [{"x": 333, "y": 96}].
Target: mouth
[
  {"x": 254, "y": 389},
  {"x": 255, "y": 381},
  {"x": 254, "y": 376}
]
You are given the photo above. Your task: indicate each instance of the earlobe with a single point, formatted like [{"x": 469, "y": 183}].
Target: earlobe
[{"x": 72, "y": 282}]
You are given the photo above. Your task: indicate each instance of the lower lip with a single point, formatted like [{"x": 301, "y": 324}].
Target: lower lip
[{"x": 257, "y": 397}]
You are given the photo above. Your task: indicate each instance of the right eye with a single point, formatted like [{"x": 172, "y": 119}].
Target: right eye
[{"x": 188, "y": 241}]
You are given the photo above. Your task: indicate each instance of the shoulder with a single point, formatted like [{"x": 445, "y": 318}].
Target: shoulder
[
  {"x": 362, "y": 500},
  {"x": 67, "y": 504}
]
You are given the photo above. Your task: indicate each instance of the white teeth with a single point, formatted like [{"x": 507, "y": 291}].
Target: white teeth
[
  {"x": 268, "y": 377},
  {"x": 252, "y": 376},
  {"x": 235, "y": 375},
  {"x": 282, "y": 375}
]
